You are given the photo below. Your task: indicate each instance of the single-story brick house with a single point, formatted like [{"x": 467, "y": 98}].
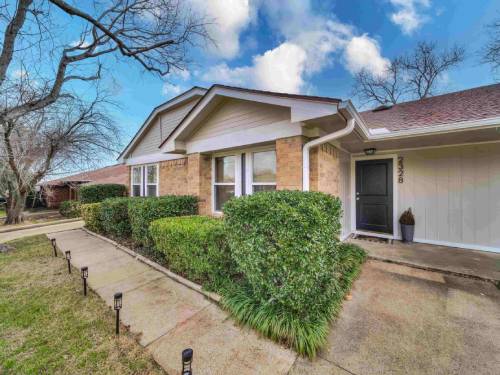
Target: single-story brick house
[
  {"x": 63, "y": 189},
  {"x": 440, "y": 156}
]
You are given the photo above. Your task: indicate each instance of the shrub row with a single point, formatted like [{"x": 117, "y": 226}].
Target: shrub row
[
  {"x": 128, "y": 217},
  {"x": 70, "y": 209},
  {"x": 196, "y": 248},
  {"x": 275, "y": 258},
  {"x": 99, "y": 192}
]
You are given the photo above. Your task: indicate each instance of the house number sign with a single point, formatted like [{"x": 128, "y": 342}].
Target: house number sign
[{"x": 401, "y": 169}]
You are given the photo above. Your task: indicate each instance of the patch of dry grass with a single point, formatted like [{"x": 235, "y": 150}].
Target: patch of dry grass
[{"x": 47, "y": 326}]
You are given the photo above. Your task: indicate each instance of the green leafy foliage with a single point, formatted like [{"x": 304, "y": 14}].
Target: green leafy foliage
[
  {"x": 70, "y": 209},
  {"x": 142, "y": 211},
  {"x": 195, "y": 247},
  {"x": 286, "y": 245},
  {"x": 279, "y": 324},
  {"x": 99, "y": 192},
  {"x": 91, "y": 214},
  {"x": 114, "y": 216}
]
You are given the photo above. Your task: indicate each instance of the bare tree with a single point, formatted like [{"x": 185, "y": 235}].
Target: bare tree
[
  {"x": 491, "y": 54},
  {"x": 411, "y": 76},
  {"x": 42, "y": 74}
]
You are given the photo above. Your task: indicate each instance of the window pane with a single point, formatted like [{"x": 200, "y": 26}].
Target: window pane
[
  {"x": 257, "y": 188},
  {"x": 224, "y": 169},
  {"x": 136, "y": 190},
  {"x": 136, "y": 175},
  {"x": 151, "y": 174},
  {"x": 222, "y": 194},
  {"x": 264, "y": 166},
  {"x": 151, "y": 190}
]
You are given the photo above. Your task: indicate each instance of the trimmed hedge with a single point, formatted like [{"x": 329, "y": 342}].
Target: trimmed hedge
[
  {"x": 114, "y": 216},
  {"x": 286, "y": 246},
  {"x": 99, "y": 192},
  {"x": 91, "y": 214},
  {"x": 142, "y": 211},
  {"x": 70, "y": 209},
  {"x": 195, "y": 247}
]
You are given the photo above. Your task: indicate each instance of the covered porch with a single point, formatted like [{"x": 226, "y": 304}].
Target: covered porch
[{"x": 462, "y": 262}]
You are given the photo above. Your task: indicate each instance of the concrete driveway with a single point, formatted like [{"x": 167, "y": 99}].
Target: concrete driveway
[{"x": 403, "y": 320}]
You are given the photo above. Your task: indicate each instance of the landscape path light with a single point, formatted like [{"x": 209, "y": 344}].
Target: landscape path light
[
  {"x": 68, "y": 259},
  {"x": 54, "y": 246},
  {"x": 118, "y": 305},
  {"x": 187, "y": 360},
  {"x": 85, "y": 275}
]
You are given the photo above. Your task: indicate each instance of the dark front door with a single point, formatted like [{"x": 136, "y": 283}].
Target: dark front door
[{"x": 374, "y": 195}]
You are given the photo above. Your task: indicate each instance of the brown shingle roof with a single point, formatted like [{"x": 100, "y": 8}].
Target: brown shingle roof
[
  {"x": 473, "y": 104},
  {"x": 114, "y": 174}
]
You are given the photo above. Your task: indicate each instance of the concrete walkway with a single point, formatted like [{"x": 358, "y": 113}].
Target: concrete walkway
[
  {"x": 478, "y": 264},
  {"x": 169, "y": 316},
  {"x": 33, "y": 231}
]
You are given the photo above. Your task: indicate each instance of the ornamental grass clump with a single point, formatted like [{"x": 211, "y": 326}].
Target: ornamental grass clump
[{"x": 294, "y": 276}]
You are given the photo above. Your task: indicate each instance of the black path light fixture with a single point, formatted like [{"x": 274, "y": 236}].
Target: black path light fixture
[
  {"x": 54, "y": 246},
  {"x": 187, "y": 360},
  {"x": 118, "y": 305},
  {"x": 68, "y": 259},
  {"x": 85, "y": 274}
]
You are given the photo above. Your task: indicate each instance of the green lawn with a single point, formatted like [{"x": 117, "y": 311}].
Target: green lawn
[
  {"x": 47, "y": 326},
  {"x": 2, "y": 212}
]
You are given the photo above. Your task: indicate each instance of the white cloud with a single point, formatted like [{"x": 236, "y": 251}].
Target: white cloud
[
  {"x": 363, "y": 53},
  {"x": 408, "y": 14},
  {"x": 227, "y": 18},
  {"x": 170, "y": 89},
  {"x": 311, "y": 43},
  {"x": 279, "y": 69}
]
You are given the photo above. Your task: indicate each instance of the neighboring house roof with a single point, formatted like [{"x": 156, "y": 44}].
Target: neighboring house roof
[
  {"x": 114, "y": 174},
  {"x": 185, "y": 96},
  {"x": 231, "y": 91},
  {"x": 469, "y": 105}
]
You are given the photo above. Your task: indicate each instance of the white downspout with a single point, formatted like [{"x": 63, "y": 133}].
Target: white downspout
[{"x": 319, "y": 141}]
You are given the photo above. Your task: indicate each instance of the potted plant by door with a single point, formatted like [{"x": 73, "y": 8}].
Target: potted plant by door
[{"x": 407, "y": 221}]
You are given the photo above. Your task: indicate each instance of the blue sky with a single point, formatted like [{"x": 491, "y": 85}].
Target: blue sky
[{"x": 311, "y": 47}]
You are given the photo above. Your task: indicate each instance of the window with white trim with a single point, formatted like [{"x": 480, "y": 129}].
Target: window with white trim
[
  {"x": 263, "y": 171},
  {"x": 242, "y": 173},
  {"x": 225, "y": 181},
  {"x": 136, "y": 190},
  {"x": 144, "y": 181}
]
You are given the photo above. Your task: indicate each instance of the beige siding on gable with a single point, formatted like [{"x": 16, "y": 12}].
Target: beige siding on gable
[
  {"x": 160, "y": 129},
  {"x": 235, "y": 115},
  {"x": 454, "y": 193}
]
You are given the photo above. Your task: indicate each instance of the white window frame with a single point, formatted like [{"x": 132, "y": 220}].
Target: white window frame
[
  {"x": 144, "y": 179},
  {"x": 132, "y": 184},
  {"x": 249, "y": 168},
  {"x": 238, "y": 172}
]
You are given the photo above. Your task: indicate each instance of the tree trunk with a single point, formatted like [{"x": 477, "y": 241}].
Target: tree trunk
[{"x": 15, "y": 208}]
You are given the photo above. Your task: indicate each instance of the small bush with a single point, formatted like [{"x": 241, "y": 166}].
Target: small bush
[
  {"x": 142, "y": 211},
  {"x": 286, "y": 246},
  {"x": 195, "y": 247},
  {"x": 70, "y": 209},
  {"x": 99, "y": 192},
  {"x": 91, "y": 214},
  {"x": 114, "y": 216}
]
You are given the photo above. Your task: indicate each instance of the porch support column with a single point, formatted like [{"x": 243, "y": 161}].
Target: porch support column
[
  {"x": 199, "y": 181},
  {"x": 289, "y": 163},
  {"x": 325, "y": 169}
]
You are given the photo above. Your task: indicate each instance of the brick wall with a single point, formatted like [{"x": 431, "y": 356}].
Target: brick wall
[
  {"x": 289, "y": 163},
  {"x": 199, "y": 181},
  {"x": 173, "y": 177},
  {"x": 325, "y": 169}
]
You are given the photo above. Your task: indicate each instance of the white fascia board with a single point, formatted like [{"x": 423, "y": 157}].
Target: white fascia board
[
  {"x": 152, "y": 158},
  {"x": 445, "y": 128},
  {"x": 301, "y": 109},
  {"x": 195, "y": 91}
]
